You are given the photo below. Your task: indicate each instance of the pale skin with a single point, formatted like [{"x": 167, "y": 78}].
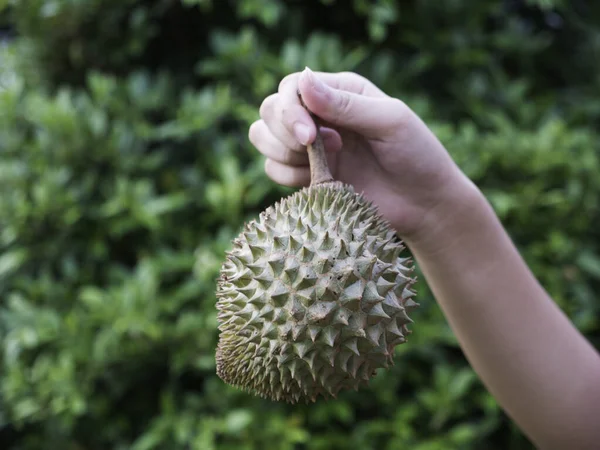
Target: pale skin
[{"x": 537, "y": 365}]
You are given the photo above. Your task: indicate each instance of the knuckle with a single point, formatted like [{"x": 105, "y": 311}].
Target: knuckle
[
  {"x": 267, "y": 106},
  {"x": 349, "y": 74},
  {"x": 269, "y": 168},
  {"x": 360, "y": 84},
  {"x": 291, "y": 78},
  {"x": 285, "y": 114},
  {"x": 289, "y": 115},
  {"x": 354, "y": 79},
  {"x": 279, "y": 174},
  {"x": 344, "y": 104},
  {"x": 253, "y": 132},
  {"x": 401, "y": 110}
]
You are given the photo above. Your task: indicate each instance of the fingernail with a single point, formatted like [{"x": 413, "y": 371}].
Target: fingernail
[
  {"x": 317, "y": 84},
  {"x": 302, "y": 133}
]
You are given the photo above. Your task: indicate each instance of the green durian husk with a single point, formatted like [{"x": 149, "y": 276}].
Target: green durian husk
[{"x": 313, "y": 297}]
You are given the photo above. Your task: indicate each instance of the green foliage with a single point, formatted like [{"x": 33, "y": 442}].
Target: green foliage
[{"x": 125, "y": 170}]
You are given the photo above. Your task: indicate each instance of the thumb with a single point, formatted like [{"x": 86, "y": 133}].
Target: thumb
[{"x": 370, "y": 116}]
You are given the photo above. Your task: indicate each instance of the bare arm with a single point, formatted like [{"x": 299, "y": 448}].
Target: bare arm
[
  {"x": 532, "y": 359},
  {"x": 539, "y": 368}
]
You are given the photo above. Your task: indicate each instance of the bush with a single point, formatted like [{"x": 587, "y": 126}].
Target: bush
[{"x": 125, "y": 170}]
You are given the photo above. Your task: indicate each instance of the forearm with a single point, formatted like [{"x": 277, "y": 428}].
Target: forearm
[{"x": 526, "y": 351}]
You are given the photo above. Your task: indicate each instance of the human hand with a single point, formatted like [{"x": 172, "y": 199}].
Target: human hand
[
  {"x": 483, "y": 286},
  {"x": 374, "y": 142}
]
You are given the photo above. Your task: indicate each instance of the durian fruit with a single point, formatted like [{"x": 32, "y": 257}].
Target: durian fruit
[{"x": 314, "y": 295}]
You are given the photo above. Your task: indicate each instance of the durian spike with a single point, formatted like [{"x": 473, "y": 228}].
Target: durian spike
[{"x": 319, "y": 169}]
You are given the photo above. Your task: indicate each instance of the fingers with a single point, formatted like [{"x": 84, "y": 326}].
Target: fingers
[
  {"x": 294, "y": 176},
  {"x": 272, "y": 147},
  {"x": 289, "y": 121},
  {"x": 269, "y": 145},
  {"x": 287, "y": 175},
  {"x": 285, "y": 128},
  {"x": 293, "y": 117},
  {"x": 373, "y": 117},
  {"x": 344, "y": 81},
  {"x": 344, "y": 99}
]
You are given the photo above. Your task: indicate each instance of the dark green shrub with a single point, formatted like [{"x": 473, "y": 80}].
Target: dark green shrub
[{"x": 125, "y": 170}]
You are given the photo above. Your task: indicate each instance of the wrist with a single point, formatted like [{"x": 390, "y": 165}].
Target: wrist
[{"x": 461, "y": 211}]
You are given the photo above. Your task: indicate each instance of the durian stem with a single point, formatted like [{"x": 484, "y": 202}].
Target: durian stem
[{"x": 319, "y": 169}]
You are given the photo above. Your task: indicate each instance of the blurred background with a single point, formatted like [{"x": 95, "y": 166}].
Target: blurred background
[{"x": 125, "y": 170}]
